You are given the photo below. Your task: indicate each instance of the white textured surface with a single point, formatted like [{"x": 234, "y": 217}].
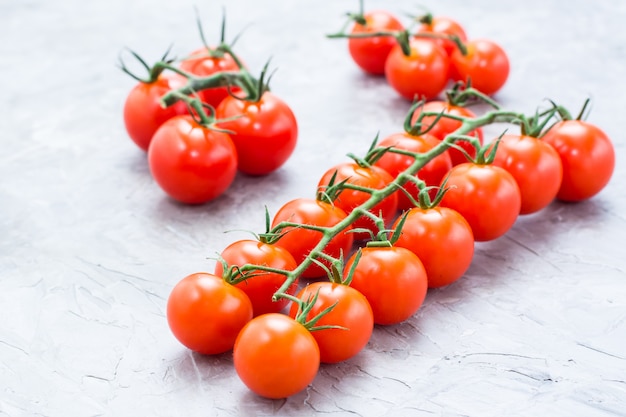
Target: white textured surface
[{"x": 90, "y": 247}]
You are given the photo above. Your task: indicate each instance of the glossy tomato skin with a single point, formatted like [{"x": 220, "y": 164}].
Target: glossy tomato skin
[
  {"x": 372, "y": 177},
  {"x": 486, "y": 64},
  {"x": 536, "y": 167},
  {"x": 422, "y": 74},
  {"x": 143, "y": 113},
  {"x": 370, "y": 54},
  {"x": 442, "y": 239},
  {"x": 275, "y": 356},
  {"x": 200, "y": 63},
  {"x": 487, "y": 196},
  {"x": 445, "y": 125},
  {"x": 393, "y": 280},
  {"x": 265, "y": 132},
  {"x": 444, "y": 25},
  {"x": 191, "y": 163},
  {"x": 352, "y": 311},
  {"x": 205, "y": 313},
  {"x": 261, "y": 286},
  {"x": 300, "y": 241},
  {"x": 587, "y": 155},
  {"x": 432, "y": 173}
]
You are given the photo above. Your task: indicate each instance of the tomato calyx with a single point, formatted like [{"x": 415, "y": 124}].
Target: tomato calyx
[{"x": 305, "y": 307}]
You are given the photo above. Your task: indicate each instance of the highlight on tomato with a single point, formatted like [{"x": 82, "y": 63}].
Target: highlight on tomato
[
  {"x": 238, "y": 260},
  {"x": 485, "y": 65},
  {"x": 276, "y": 356},
  {"x": 192, "y": 163},
  {"x": 393, "y": 280},
  {"x": 206, "y": 314},
  {"x": 349, "y": 323}
]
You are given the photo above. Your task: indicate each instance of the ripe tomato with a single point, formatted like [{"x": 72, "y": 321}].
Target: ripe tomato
[
  {"x": 392, "y": 279},
  {"x": 143, "y": 113},
  {"x": 587, "y": 155},
  {"x": 352, "y": 311},
  {"x": 372, "y": 177},
  {"x": 300, "y": 241},
  {"x": 443, "y": 25},
  {"x": 191, "y": 163},
  {"x": 265, "y": 132},
  {"x": 422, "y": 74},
  {"x": 536, "y": 167},
  {"x": 203, "y": 64},
  {"x": 487, "y": 196},
  {"x": 447, "y": 125},
  {"x": 371, "y": 53},
  {"x": 205, "y": 313},
  {"x": 261, "y": 285},
  {"x": 485, "y": 64},
  {"x": 442, "y": 239},
  {"x": 276, "y": 356},
  {"x": 432, "y": 173}
]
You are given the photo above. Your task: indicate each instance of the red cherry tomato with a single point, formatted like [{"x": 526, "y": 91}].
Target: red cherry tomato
[
  {"x": 143, "y": 113},
  {"x": 205, "y": 313},
  {"x": 261, "y": 285},
  {"x": 392, "y": 279},
  {"x": 588, "y": 158},
  {"x": 352, "y": 311},
  {"x": 442, "y": 239},
  {"x": 486, "y": 65},
  {"x": 536, "y": 167},
  {"x": 300, "y": 241},
  {"x": 487, "y": 196},
  {"x": 443, "y": 25},
  {"x": 275, "y": 356},
  {"x": 372, "y": 177},
  {"x": 265, "y": 132},
  {"x": 370, "y": 53},
  {"x": 204, "y": 64},
  {"x": 191, "y": 163},
  {"x": 432, "y": 173},
  {"x": 422, "y": 74},
  {"x": 446, "y": 125}
]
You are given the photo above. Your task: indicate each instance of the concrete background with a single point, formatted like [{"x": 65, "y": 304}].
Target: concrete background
[{"x": 90, "y": 247}]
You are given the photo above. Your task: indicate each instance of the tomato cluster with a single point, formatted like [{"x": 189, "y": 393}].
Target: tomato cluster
[
  {"x": 381, "y": 230},
  {"x": 203, "y": 119}
]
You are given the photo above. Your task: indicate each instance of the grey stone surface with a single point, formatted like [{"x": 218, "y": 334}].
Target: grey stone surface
[{"x": 90, "y": 247}]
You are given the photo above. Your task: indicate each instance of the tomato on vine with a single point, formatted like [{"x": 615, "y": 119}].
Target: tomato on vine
[
  {"x": 445, "y": 26},
  {"x": 205, "y": 313},
  {"x": 276, "y": 356},
  {"x": 351, "y": 319},
  {"x": 261, "y": 284},
  {"x": 485, "y": 66},
  {"x": 192, "y": 163}
]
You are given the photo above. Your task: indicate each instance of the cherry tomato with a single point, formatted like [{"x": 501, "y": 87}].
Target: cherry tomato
[
  {"x": 261, "y": 285},
  {"x": 143, "y": 113},
  {"x": 536, "y": 167},
  {"x": 422, "y": 74},
  {"x": 487, "y": 196},
  {"x": 203, "y": 64},
  {"x": 485, "y": 64},
  {"x": 446, "y": 125},
  {"x": 352, "y": 311},
  {"x": 432, "y": 173},
  {"x": 265, "y": 132},
  {"x": 300, "y": 241},
  {"x": 443, "y": 25},
  {"x": 372, "y": 177},
  {"x": 276, "y": 356},
  {"x": 206, "y": 314},
  {"x": 442, "y": 239},
  {"x": 393, "y": 280},
  {"x": 588, "y": 158},
  {"x": 191, "y": 163},
  {"x": 370, "y": 53}
]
